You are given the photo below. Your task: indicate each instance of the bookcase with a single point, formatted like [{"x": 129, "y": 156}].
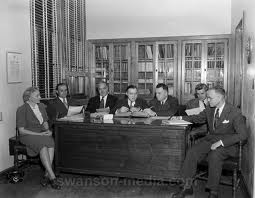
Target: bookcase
[
  {"x": 179, "y": 62},
  {"x": 203, "y": 61}
]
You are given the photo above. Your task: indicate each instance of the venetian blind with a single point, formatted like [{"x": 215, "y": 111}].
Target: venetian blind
[{"x": 58, "y": 32}]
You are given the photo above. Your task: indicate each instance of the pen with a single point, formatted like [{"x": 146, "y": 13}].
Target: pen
[
  {"x": 151, "y": 107},
  {"x": 170, "y": 117}
]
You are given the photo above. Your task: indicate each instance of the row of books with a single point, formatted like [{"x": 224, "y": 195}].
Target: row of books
[
  {"x": 145, "y": 66},
  {"x": 120, "y": 76},
  {"x": 145, "y": 52},
  {"x": 102, "y": 52},
  {"x": 219, "y": 64},
  {"x": 193, "y": 49},
  {"x": 165, "y": 51},
  {"x": 123, "y": 68},
  {"x": 194, "y": 75},
  {"x": 214, "y": 74},
  {"x": 120, "y": 52}
]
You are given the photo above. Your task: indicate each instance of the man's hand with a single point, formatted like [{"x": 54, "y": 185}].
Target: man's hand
[
  {"x": 149, "y": 112},
  {"x": 135, "y": 109},
  {"x": 176, "y": 118},
  {"x": 123, "y": 109},
  {"x": 216, "y": 145}
]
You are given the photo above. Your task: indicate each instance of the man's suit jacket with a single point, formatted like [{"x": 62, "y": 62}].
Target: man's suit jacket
[
  {"x": 196, "y": 128},
  {"x": 169, "y": 108},
  {"x": 94, "y": 103},
  {"x": 57, "y": 109},
  {"x": 193, "y": 103},
  {"x": 231, "y": 127},
  {"x": 124, "y": 102}
]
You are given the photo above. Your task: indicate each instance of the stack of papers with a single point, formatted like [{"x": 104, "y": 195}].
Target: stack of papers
[
  {"x": 72, "y": 110},
  {"x": 175, "y": 122}
]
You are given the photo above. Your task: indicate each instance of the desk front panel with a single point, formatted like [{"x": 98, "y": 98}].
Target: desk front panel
[{"x": 138, "y": 151}]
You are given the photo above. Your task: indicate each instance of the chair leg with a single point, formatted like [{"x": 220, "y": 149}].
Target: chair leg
[{"x": 234, "y": 183}]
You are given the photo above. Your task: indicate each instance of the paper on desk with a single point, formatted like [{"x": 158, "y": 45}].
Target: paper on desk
[
  {"x": 193, "y": 111},
  {"x": 160, "y": 117},
  {"x": 72, "y": 110},
  {"x": 175, "y": 122},
  {"x": 73, "y": 118},
  {"x": 98, "y": 114}
]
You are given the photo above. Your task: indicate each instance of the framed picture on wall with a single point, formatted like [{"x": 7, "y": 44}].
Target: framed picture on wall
[{"x": 13, "y": 64}]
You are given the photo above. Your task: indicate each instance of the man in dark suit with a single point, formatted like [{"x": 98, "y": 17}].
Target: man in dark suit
[
  {"x": 102, "y": 101},
  {"x": 200, "y": 101},
  {"x": 58, "y": 107},
  {"x": 226, "y": 128},
  {"x": 131, "y": 102},
  {"x": 163, "y": 104}
]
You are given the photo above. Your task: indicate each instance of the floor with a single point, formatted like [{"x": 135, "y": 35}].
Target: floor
[{"x": 96, "y": 186}]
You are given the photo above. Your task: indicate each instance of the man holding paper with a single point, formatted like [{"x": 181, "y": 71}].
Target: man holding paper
[
  {"x": 104, "y": 102},
  {"x": 226, "y": 128},
  {"x": 58, "y": 107},
  {"x": 195, "y": 106}
]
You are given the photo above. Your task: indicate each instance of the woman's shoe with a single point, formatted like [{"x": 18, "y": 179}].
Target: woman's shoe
[
  {"x": 44, "y": 181},
  {"x": 55, "y": 184}
]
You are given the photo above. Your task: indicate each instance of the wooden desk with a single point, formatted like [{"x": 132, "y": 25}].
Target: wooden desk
[{"x": 135, "y": 148}]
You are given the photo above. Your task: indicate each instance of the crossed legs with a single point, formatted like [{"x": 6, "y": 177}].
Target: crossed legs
[{"x": 47, "y": 156}]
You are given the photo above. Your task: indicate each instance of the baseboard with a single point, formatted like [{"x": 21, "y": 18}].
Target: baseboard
[{"x": 244, "y": 188}]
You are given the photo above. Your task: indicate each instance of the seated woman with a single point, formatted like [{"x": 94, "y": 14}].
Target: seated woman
[{"x": 31, "y": 120}]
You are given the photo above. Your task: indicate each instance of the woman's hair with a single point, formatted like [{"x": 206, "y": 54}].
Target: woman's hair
[{"x": 27, "y": 93}]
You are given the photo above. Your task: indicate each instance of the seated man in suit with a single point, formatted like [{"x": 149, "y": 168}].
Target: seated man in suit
[
  {"x": 58, "y": 107},
  {"x": 200, "y": 101},
  {"x": 131, "y": 103},
  {"x": 226, "y": 128},
  {"x": 103, "y": 100},
  {"x": 163, "y": 104}
]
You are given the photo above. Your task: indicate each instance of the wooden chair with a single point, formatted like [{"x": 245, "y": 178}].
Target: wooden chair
[
  {"x": 232, "y": 164},
  {"x": 16, "y": 148}
]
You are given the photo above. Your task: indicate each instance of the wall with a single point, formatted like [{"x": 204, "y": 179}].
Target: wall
[
  {"x": 15, "y": 36},
  {"x": 155, "y": 18},
  {"x": 248, "y": 98}
]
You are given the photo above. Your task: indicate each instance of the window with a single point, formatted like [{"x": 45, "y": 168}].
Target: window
[{"x": 58, "y": 31}]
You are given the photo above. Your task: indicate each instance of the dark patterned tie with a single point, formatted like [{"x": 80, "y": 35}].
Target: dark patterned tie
[
  {"x": 101, "y": 106},
  {"x": 216, "y": 119}
]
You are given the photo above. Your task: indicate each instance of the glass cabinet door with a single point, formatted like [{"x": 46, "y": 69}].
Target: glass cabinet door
[
  {"x": 102, "y": 63},
  {"x": 145, "y": 69},
  {"x": 192, "y": 61},
  {"x": 121, "y": 68},
  {"x": 215, "y": 63},
  {"x": 203, "y": 61},
  {"x": 166, "y": 65}
]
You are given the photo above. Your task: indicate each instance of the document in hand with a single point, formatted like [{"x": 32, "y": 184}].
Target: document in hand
[
  {"x": 72, "y": 110},
  {"x": 193, "y": 111}
]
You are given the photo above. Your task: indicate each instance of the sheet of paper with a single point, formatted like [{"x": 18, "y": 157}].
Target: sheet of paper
[
  {"x": 175, "y": 122},
  {"x": 73, "y": 118},
  {"x": 72, "y": 110},
  {"x": 160, "y": 117},
  {"x": 98, "y": 114},
  {"x": 194, "y": 111}
]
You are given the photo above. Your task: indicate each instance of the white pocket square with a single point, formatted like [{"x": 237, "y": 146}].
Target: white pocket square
[{"x": 225, "y": 121}]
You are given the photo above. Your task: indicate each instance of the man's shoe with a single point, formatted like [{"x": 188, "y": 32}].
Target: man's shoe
[
  {"x": 213, "y": 194},
  {"x": 183, "y": 192}
]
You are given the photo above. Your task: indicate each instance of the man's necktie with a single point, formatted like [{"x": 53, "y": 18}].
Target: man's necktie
[
  {"x": 216, "y": 119},
  {"x": 65, "y": 103},
  {"x": 204, "y": 104},
  {"x": 101, "y": 106}
]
